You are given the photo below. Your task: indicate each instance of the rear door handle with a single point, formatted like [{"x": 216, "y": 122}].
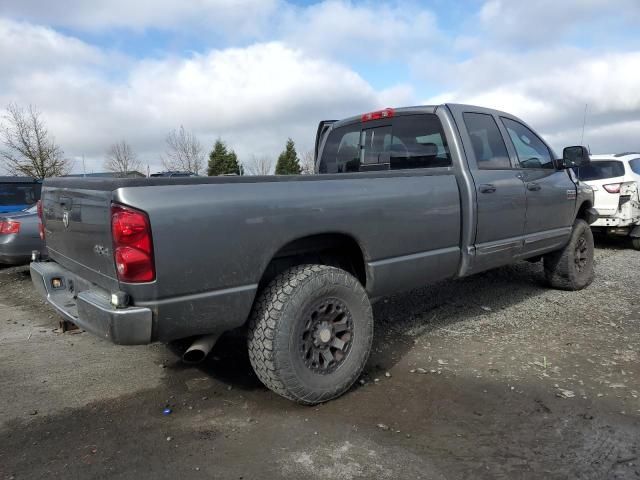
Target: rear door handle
[
  {"x": 487, "y": 188},
  {"x": 534, "y": 187}
]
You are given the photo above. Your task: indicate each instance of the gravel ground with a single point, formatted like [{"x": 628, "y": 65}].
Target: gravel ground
[{"x": 493, "y": 376}]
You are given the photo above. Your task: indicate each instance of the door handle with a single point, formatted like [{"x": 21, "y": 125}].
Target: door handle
[
  {"x": 487, "y": 188},
  {"x": 534, "y": 187}
]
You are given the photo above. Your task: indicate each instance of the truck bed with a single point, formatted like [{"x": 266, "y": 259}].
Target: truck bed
[{"x": 214, "y": 237}]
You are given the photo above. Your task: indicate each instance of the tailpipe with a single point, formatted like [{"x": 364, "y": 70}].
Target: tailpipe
[{"x": 199, "y": 349}]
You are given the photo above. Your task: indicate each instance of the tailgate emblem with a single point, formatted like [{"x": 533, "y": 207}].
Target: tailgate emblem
[{"x": 65, "y": 219}]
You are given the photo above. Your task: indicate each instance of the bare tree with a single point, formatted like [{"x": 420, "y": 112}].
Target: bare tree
[
  {"x": 307, "y": 163},
  {"x": 184, "y": 152},
  {"x": 121, "y": 159},
  {"x": 262, "y": 165},
  {"x": 29, "y": 149}
]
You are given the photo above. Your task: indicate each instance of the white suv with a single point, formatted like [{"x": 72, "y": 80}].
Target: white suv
[{"x": 615, "y": 180}]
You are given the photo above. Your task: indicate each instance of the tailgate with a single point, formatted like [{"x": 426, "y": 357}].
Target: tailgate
[
  {"x": 78, "y": 232},
  {"x": 605, "y": 202}
]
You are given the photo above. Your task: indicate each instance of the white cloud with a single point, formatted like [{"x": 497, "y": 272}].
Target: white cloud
[
  {"x": 544, "y": 22},
  {"x": 253, "y": 97},
  {"x": 550, "y": 92},
  {"x": 297, "y": 66},
  {"x": 231, "y": 16},
  {"x": 370, "y": 30}
]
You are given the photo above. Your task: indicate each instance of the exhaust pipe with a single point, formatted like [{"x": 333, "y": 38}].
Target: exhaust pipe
[{"x": 199, "y": 349}]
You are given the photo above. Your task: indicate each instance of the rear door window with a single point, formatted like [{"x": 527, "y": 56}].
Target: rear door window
[
  {"x": 488, "y": 145},
  {"x": 600, "y": 170},
  {"x": 531, "y": 150},
  {"x": 411, "y": 141}
]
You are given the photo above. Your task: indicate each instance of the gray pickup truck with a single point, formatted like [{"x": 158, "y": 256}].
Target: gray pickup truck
[{"x": 403, "y": 197}]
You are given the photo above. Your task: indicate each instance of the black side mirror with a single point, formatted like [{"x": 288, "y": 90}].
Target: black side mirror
[{"x": 577, "y": 156}]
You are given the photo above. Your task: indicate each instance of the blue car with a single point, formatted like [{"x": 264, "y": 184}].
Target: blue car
[
  {"x": 19, "y": 236},
  {"x": 18, "y": 193}
]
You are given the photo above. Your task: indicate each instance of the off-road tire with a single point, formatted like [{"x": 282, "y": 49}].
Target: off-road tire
[
  {"x": 279, "y": 318},
  {"x": 564, "y": 268},
  {"x": 635, "y": 243}
]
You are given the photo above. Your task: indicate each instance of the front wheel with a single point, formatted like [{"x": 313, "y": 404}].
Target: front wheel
[
  {"x": 571, "y": 268},
  {"x": 310, "y": 333},
  {"x": 635, "y": 242}
]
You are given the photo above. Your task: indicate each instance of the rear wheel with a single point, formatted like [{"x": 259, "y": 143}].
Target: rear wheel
[
  {"x": 310, "y": 333},
  {"x": 635, "y": 242},
  {"x": 571, "y": 268}
]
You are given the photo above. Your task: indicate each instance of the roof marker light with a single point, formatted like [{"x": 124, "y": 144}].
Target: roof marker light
[{"x": 377, "y": 115}]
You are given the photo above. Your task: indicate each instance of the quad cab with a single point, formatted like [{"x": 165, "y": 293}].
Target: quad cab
[{"x": 402, "y": 198}]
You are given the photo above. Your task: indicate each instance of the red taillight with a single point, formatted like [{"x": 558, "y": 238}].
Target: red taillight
[
  {"x": 612, "y": 187},
  {"x": 132, "y": 245},
  {"x": 40, "y": 217},
  {"x": 377, "y": 115},
  {"x": 9, "y": 227}
]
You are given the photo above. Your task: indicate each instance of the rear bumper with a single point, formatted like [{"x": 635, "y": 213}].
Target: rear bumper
[
  {"x": 89, "y": 307},
  {"x": 613, "y": 222},
  {"x": 14, "y": 259},
  {"x": 12, "y": 253}
]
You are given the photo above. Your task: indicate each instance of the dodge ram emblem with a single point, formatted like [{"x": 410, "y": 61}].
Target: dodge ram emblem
[{"x": 65, "y": 219}]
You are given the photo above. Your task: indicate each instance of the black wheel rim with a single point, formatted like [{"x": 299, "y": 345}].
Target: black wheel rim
[
  {"x": 327, "y": 336},
  {"x": 581, "y": 254}
]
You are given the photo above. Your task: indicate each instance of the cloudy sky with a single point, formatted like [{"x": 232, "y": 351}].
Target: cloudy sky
[{"x": 255, "y": 72}]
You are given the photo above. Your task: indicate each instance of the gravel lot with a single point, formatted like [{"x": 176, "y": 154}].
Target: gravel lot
[{"x": 493, "y": 376}]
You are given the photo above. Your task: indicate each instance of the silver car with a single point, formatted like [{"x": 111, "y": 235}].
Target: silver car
[{"x": 19, "y": 236}]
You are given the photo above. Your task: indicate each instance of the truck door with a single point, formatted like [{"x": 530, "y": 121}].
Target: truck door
[
  {"x": 551, "y": 194},
  {"x": 500, "y": 193}
]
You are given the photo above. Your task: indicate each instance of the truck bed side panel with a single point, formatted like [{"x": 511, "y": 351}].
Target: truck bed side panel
[{"x": 213, "y": 242}]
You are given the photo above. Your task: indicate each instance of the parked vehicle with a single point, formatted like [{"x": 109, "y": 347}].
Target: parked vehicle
[
  {"x": 131, "y": 174},
  {"x": 615, "y": 180},
  {"x": 173, "y": 173},
  {"x": 19, "y": 236},
  {"x": 404, "y": 197},
  {"x": 18, "y": 193}
]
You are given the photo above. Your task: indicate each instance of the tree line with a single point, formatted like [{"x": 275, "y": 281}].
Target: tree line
[{"x": 30, "y": 150}]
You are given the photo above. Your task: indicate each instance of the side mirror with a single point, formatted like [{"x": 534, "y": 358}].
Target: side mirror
[{"x": 577, "y": 156}]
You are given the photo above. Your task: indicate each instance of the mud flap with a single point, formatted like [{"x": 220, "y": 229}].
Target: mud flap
[{"x": 591, "y": 215}]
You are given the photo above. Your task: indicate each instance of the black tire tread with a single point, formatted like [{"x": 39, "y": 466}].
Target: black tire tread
[
  {"x": 558, "y": 265},
  {"x": 265, "y": 318}
]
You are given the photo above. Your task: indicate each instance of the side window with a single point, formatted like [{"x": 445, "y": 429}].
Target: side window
[
  {"x": 532, "y": 152},
  {"x": 418, "y": 142},
  {"x": 488, "y": 144},
  {"x": 341, "y": 151},
  {"x": 635, "y": 165}
]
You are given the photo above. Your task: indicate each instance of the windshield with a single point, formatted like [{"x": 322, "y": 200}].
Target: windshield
[
  {"x": 599, "y": 170},
  {"x": 25, "y": 194}
]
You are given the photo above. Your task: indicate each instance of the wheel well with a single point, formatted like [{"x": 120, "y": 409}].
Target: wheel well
[
  {"x": 582, "y": 211},
  {"x": 333, "y": 249}
]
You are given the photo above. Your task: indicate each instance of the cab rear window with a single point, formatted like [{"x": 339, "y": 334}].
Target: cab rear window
[
  {"x": 407, "y": 142},
  {"x": 599, "y": 170}
]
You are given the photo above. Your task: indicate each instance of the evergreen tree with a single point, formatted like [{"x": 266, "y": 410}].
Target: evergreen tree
[
  {"x": 288, "y": 163},
  {"x": 222, "y": 160}
]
